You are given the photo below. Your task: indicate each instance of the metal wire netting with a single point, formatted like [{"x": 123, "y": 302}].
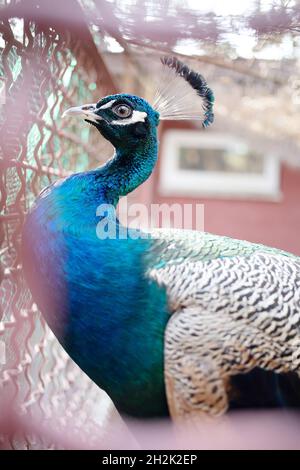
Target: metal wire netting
[
  {"x": 43, "y": 71},
  {"x": 51, "y": 57}
]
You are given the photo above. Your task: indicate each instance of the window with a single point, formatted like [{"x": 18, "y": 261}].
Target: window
[{"x": 197, "y": 163}]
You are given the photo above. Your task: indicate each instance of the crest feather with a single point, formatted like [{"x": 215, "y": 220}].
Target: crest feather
[{"x": 178, "y": 93}]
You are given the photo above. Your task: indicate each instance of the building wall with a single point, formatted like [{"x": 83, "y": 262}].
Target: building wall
[{"x": 271, "y": 223}]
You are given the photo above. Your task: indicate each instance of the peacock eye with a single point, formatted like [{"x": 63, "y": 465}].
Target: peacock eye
[{"x": 122, "y": 110}]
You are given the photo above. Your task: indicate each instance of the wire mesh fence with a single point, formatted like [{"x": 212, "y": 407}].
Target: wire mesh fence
[
  {"x": 50, "y": 61},
  {"x": 44, "y": 70}
]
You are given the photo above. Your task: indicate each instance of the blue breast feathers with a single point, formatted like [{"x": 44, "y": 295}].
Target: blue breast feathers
[{"x": 95, "y": 296}]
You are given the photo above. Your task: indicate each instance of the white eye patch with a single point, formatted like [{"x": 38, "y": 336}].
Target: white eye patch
[
  {"x": 137, "y": 116},
  {"x": 107, "y": 105}
]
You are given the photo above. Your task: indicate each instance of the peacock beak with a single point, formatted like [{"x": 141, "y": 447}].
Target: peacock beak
[{"x": 87, "y": 111}]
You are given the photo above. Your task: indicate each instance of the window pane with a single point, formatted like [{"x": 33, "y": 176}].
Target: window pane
[{"x": 220, "y": 160}]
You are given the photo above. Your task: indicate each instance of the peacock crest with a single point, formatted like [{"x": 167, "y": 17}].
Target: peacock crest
[{"x": 178, "y": 92}]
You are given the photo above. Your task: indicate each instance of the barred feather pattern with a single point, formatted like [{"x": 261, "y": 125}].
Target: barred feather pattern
[
  {"x": 183, "y": 93},
  {"x": 230, "y": 315}
]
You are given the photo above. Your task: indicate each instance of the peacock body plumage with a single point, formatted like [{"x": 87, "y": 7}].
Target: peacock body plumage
[{"x": 168, "y": 321}]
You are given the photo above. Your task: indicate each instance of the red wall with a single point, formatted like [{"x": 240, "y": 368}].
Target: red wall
[{"x": 271, "y": 223}]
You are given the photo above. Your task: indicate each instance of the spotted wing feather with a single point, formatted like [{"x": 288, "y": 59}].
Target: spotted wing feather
[{"x": 230, "y": 315}]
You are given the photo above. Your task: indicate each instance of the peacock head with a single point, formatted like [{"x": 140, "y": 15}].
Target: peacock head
[
  {"x": 128, "y": 120},
  {"x": 121, "y": 119}
]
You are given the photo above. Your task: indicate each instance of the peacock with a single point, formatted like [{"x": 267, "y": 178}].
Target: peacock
[{"x": 169, "y": 322}]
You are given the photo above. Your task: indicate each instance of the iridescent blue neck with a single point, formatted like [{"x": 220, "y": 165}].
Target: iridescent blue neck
[
  {"x": 129, "y": 168},
  {"x": 73, "y": 204}
]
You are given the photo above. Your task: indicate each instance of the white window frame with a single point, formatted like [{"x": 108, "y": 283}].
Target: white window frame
[{"x": 176, "y": 181}]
